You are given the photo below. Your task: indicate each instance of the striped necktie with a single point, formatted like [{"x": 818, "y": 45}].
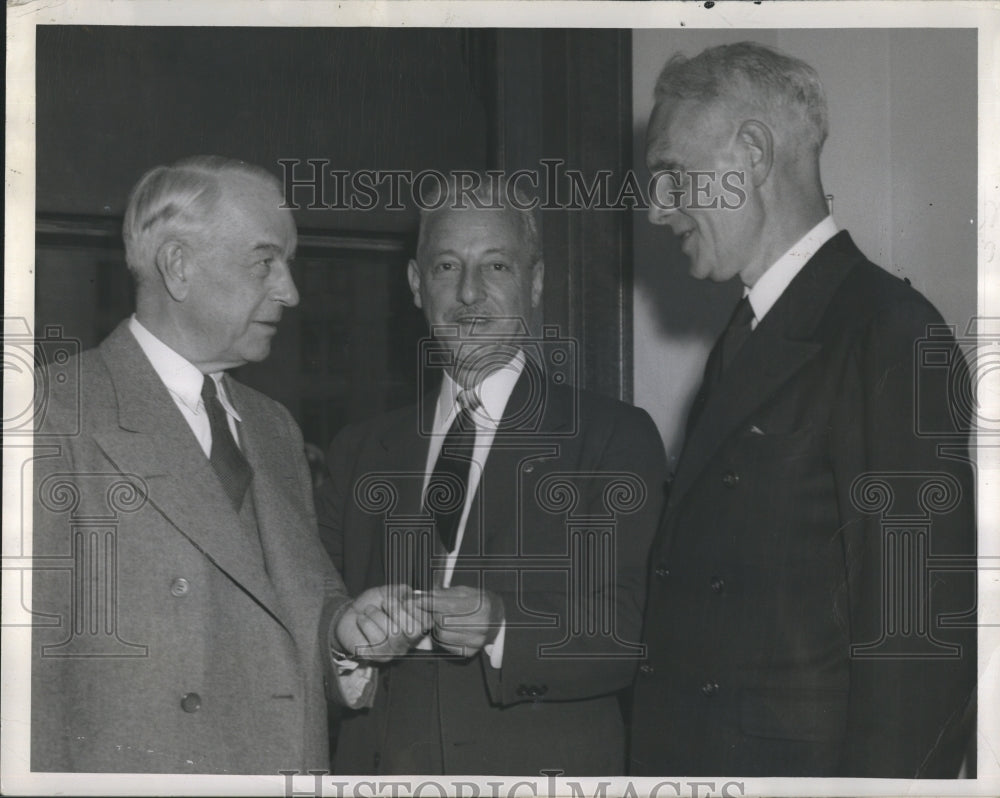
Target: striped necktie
[{"x": 446, "y": 490}]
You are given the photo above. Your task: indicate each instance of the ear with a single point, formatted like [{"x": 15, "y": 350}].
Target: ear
[
  {"x": 537, "y": 283},
  {"x": 173, "y": 267},
  {"x": 758, "y": 143},
  {"x": 413, "y": 275}
]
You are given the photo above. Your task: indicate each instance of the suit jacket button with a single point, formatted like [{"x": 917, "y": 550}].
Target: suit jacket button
[
  {"x": 180, "y": 586},
  {"x": 710, "y": 688},
  {"x": 718, "y": 585},
  {"x": 191, "y": 702},
  {"x": 646, "y": 669},
  {"x": 662, "y": 572},
  {"x": 730, "y": 479}
]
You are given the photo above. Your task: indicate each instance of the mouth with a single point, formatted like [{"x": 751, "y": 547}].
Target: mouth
[{"x": 685, "y": 237}]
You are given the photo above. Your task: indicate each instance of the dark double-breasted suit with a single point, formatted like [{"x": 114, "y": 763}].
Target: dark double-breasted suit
[
  {"x": 819, "y": 529},
  {"x": 560, "y": 529},
  {"x": 166, "y": 639}
]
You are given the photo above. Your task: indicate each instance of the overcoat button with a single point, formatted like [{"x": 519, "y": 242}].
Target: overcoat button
[
  {"x": 710, "y": 688},
  {"x": 180, "y": 586},
  {"x": 646, "y": 669},
  {"x": 730, "y": 479},
  {"x": 718, "y": 585},
  {"x": 522, "y": 690},
  {"x": 662, "y": 572},
  {"x": 529, "y": 467},
  {"x": 191, "y": 702}
]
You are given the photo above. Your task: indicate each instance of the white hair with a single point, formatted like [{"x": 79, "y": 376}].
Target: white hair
[
  {"x": 176, "y": 200},
  {"x": 780, "y": 88}
]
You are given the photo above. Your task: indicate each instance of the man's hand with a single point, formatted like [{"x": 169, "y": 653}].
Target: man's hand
[
  {"x": 382, "y": 623},
  {"x": 465, "y": 618}
]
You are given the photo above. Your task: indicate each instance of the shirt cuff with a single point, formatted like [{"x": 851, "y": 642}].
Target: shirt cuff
[
  {"x": 356, "y": 683},
  {"x": 494, "y": 650}
]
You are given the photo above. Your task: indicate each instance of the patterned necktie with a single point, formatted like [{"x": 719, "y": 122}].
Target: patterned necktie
[
  {"x": 228, "y": 461},
  {"x": 449, "y": 483}
]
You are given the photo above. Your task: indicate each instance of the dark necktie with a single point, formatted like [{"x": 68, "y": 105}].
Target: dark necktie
[
  {"x": 723, "y": 353},
  {"x": 447, "y": 487},
  {"x": 730, "y": 342},
  {"x": 228, "y": 461}
]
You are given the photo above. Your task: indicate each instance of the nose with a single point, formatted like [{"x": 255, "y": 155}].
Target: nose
[
  {"x": 470, "y": 288},
  {"x": 666, "y": 196},
  {"x": 658, "y": 215},
  {"x": 284, "y": 290}
]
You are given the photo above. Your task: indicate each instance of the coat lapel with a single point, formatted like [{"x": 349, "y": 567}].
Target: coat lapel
[
  {"x": 780, "y": 346},
  {"x": 154, "y": 442},
  {"x": 276, "y": 479},
  {"x": 536, "y": 414}
]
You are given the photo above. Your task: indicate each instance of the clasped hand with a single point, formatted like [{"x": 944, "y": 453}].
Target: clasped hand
[
  {"x": 382, "y": 623},
  {"x": 465, "y": 618},
  {"x": 386, "y": 621}
]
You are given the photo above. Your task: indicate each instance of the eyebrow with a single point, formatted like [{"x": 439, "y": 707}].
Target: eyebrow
[{"x": 267, "y": 247}]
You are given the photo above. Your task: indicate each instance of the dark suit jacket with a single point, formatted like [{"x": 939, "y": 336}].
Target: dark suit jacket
[
  {"x": 770, "y": 563},
  {"x": 578, "y": 476},
  {"x": 167, "y": 645}
]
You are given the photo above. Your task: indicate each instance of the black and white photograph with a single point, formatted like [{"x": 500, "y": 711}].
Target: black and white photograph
[{"x": 501, "y": 398}]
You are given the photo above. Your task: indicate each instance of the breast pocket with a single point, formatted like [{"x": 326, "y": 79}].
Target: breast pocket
[{"x": 764, "y": 443}]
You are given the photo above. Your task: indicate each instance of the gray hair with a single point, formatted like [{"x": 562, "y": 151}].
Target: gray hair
[
  {"x": 490, "y": 193},
  {"x": 176, "y": 200},
  {"x": 776, "y": 86}
]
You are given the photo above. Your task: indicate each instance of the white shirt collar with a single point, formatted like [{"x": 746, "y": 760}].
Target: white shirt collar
[
  {"x": 182, "y": 378},
  {"x": 772, "y": 283},
  {"x": 493, "y": 393}
]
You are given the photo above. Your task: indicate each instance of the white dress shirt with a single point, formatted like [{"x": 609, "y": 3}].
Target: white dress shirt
[
  {"x": 183, "y": 381},
  {"x": 493, "y": 393},
  {"x": 772, "y": 283}
]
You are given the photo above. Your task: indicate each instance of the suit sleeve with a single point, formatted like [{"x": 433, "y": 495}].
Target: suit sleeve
[
  {"x": 909, "y": 716},
  {"x": 335, "y": 597},
  {"x": 597, "y": 610}
]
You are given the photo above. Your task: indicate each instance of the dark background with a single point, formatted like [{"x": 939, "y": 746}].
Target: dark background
[{"x": 114, "y": 101}]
